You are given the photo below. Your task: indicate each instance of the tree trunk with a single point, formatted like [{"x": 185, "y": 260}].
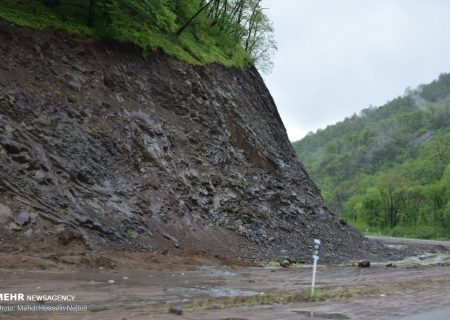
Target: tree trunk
[
  {"x": 90, "y": 20},
  {"x": 193, "y": 17}
]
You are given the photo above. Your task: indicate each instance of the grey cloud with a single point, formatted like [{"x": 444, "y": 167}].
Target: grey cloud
[{"x": 338, "y": 57}]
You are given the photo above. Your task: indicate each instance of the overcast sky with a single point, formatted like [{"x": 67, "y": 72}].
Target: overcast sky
[{"x": 337, "y": 57}]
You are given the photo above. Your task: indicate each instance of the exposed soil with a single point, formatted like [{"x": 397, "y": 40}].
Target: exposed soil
[
  {"x": 55, "y": 256},
  {"x": 104, "y": 150},
  {"x": 61, "y": 258}
]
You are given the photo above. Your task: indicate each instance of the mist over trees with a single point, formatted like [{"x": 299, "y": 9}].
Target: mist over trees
[{"x": 388, "y": 169}]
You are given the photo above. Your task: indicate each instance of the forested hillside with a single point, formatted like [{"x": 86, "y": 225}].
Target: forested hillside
[
  {"x": 230, "y": 32},
  {"x": 388, "y": 169}
]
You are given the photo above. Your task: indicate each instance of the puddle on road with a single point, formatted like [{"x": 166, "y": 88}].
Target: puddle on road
[
  {"x": 322, "y": 315},
  {"x": 216, "y": 292},
  {"x": 397, "y": 246},
  {"x": 206, "y": 272}
]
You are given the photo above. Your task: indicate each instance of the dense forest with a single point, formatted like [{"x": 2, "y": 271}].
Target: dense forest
[
  {"x": 230, "y": 32},
  {"x": 387, "y": 170}
]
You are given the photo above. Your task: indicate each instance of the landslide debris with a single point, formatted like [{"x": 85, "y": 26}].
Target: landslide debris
[{"x": 101, "y": 149}]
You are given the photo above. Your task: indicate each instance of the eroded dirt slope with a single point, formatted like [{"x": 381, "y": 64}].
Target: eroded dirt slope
[{"x": 101, "y": 149}]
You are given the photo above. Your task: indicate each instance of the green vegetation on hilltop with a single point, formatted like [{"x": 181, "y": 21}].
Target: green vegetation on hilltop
[
  {"x": 387, "y": 170},
  {"x": 230, "y": 32}
]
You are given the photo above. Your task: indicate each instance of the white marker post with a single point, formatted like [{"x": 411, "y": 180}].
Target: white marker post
[{"x": 316, "y": 252}]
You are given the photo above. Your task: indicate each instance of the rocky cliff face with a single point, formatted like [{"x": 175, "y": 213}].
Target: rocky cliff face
[{"x": 100, "y": 145}]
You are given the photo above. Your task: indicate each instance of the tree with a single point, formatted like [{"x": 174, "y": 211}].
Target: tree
[
  {"x": 411, "y": 206},
  {"x": 365, "y": 209},
  {"x": 195, "y": 15},
  {"x": 90, "y": 19},
  {"x": 446, "y": 215},
  {"x": 392, "y": 198},
  {"x": 436, "y": 193},
  {"x": 445, "y": 183},
  {"x": 259, "y": 40},
  {"x": 245, "y": 22}
]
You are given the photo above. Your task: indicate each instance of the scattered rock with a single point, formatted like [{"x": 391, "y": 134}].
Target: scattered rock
[
  {"x": 173, "y": 239},
  {"x": 364, "y": 264},
  {"x": 5, "y": 214},
  {"x": 391, "y": 265},
  {"x": 23, "y": 218},
  {"x": 285, "y": 263},
  {"x": 439, "y": 248},
  {"x": 177, "y": 311}
]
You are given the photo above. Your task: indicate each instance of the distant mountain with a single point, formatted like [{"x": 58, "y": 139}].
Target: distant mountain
[{"x": 387, "y": 169}]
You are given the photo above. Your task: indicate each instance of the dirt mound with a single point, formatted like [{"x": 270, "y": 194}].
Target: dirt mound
[{"x": 153, "y": 155}]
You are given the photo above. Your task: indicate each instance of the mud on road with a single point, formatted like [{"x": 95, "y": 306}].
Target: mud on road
[{"x": 209, "y": 289}]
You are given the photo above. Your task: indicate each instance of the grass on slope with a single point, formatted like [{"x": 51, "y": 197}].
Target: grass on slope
[{"x": 197, "y": 46}]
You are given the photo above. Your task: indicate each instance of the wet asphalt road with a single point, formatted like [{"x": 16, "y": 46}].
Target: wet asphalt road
[
  {"x": 411, "y": 241},
  {"x": 434, "y": 315}
]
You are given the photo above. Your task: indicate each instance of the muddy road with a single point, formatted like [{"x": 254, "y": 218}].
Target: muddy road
[
  {"x": 193, "y": 285},
  {"x": 406, "y": 288}
]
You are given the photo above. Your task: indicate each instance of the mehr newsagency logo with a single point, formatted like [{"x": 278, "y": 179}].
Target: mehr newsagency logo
[
  {"x": 20, "y": 297},
  {"x": 20, "y": 302}
]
